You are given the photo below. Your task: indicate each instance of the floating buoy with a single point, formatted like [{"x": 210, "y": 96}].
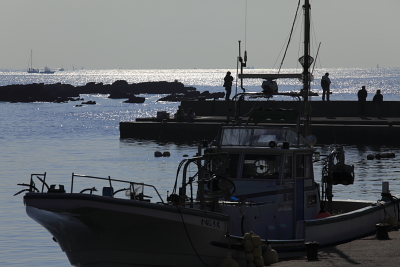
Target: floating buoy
[
  {"x": 270, "y": 256},
  {"x": 249, "y": 257},
  {"x": 248, "y": 245},
  {"x": 256, "y": 240},
  {"x": 257, "y": 252},
  {"x": 247, "y": 236},
  {"x": 166, "y": 154},
  {"x": 259, "y": 261},
  {"x": 228, "y": 261},
  {"x": 185, "y": 155},
  {"x": 157, "y": 154},
  {"x": 370, "y": 156},
  {"x": 254, "y": 257}
]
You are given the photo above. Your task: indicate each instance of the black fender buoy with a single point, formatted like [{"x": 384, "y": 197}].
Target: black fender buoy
[
  {"x": 370, "y": 156},
  {"x": 157, "y": 154},
  {"x": 385, "y": 155}
]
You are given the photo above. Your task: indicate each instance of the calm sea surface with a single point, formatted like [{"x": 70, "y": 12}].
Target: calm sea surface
[{"x": 60, "y": 139}]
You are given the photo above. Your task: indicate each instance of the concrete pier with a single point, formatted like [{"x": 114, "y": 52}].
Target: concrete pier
[
  {"x": 334, "y": 122},
  {"x": 318, "y": 108},
  {"x": 351, "y": 131},
  {"x": 367, "y": 251}
]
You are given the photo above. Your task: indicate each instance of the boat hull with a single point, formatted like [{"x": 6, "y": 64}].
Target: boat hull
[
  {"x": 359, "y": 219},
  {"x": 104, "y": 231},
  {"x": 100, "y": 231}
]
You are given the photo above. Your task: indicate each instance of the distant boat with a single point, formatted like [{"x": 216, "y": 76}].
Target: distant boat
[
  {"x": 61, "y": 69},
  {"x": 47, "y": 71},
  {"x": 30, "y": 68}
]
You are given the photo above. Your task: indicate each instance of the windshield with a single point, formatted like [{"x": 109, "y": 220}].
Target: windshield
[{"x": 253, "y": 136}]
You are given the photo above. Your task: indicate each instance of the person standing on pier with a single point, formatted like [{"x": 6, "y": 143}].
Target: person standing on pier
[
  {"x": 362, "y": 100},
  {"x": 378, "y": 100},
  {"x": 190, "y": 115},
  {"x": 325, "y": 84},
  {"x": 228, "y": 85}
]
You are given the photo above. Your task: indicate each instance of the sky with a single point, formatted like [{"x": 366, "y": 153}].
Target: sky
[{"x": 202, "y": 34}]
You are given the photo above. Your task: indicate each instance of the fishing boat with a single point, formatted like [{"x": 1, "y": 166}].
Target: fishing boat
[
  {"x": 30, "y": 68},
  {"x": 248, "y": 193},
  {"x": 47, "y": 70}
]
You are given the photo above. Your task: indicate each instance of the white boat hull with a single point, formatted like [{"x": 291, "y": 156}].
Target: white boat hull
[
  {"x": 98, "y": 231},
  {"x": 102, "y": 231},
  {"x": 359, "y": 218}
]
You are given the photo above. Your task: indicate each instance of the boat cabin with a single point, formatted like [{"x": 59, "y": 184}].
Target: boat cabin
[{"x": 270, "y": 171}]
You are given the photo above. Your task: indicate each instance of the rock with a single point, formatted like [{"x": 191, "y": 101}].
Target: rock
[
  {"x": 39, "y": 92},
  {"x": 135, "y": 99}
]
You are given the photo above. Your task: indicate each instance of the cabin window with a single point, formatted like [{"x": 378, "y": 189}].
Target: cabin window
[
  {"x": 300, "y": 165},
  {"x": 261, "y": 166},
  {"x": 236, "y": 137},
  {"x": 288, "y": 168}
]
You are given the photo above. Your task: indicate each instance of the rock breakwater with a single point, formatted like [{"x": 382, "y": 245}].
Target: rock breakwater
[{"x": 39, "y": 92}]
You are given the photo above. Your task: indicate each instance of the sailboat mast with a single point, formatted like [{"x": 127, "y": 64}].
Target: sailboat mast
[
  {"x": 306, "y": 66},
  {"x": 31, "y": 59}
]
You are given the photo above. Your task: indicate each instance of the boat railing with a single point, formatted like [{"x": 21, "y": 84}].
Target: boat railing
[
  {"x": 32, "y": 186},
  {"x": 109, "y": 190},
  {"x": 211, "y": 170},
  {"x": 132, "y": 190}
]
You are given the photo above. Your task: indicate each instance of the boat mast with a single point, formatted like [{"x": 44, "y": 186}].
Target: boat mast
[
  {"x": 30, "y": 69},
  {"x": 306, "y": 66},
  {"x": 306, "y": 60}
]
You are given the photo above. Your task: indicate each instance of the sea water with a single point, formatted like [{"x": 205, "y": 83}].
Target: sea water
[{"x": 62, "y": 138}]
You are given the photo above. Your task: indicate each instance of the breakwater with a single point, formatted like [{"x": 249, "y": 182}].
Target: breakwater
[
  {"x": 346, "y": 131},
  {"x": 333, "y": 122},
  {"x": 318, "y": 108},
  {"x": 58, "y": 92}
]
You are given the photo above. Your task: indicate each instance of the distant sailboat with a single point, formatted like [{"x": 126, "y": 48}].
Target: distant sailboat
[{"x": 30, "y": 68}]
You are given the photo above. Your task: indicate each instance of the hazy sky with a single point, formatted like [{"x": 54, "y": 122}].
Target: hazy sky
[{"x": 174, "y": 34}]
